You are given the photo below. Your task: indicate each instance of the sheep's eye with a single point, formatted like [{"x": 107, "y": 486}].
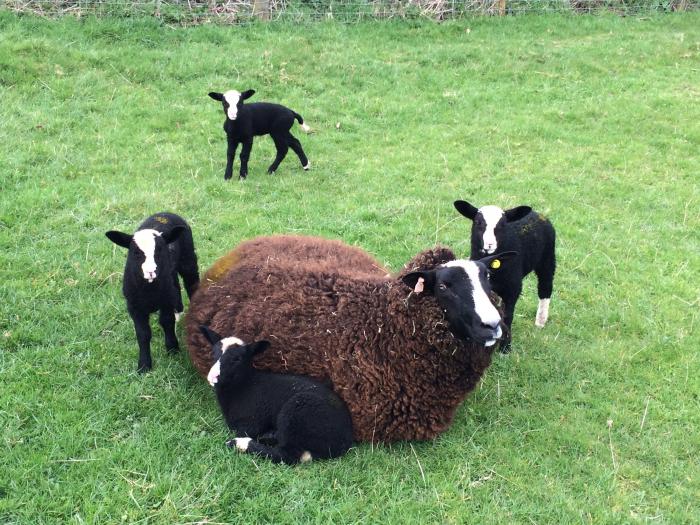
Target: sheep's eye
[{"x": 442, "y": 286}]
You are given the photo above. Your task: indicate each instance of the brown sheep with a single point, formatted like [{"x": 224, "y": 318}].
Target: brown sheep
[{"x": 389, "y": 351}]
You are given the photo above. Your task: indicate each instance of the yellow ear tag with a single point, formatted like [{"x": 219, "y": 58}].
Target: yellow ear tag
[{"x": 495, "y": 264}]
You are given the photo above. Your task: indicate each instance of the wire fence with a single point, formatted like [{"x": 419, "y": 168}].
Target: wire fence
[{"x": 190, "y": 12}]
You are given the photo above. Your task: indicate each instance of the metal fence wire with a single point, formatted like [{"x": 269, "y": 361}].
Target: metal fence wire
[{"x": 188, "y": 12}]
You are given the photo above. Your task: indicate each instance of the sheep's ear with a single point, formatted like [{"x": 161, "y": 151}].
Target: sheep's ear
[
  {"x": 259, "y": 347},
  {"x": 174, "y": 234},
  {"x": 420, "y": 281},
  {"x": 495, "y": 262},
  {"x": 119, "y": 238},
  {"x": 247, "y": 94},
  {"x": 210, "y": 334},
  {"x": 466, "y": 209},
  {"x": 216, "y": 96},
  {"x": 517, "y": 213}
]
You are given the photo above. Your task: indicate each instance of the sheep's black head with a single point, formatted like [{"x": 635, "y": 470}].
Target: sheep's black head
[
  {"x": 148, "y": 250},
  {"x": 234, "y": 358},
  {"x": 489, "y": 223},
  {"x": 232, "y": 101},
  {"x": 462, "y": 290}
]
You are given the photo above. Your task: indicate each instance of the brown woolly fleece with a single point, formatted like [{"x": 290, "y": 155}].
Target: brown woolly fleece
[{"x": 387, "y": 351}]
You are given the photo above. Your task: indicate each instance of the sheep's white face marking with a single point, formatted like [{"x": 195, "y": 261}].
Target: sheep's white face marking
[
  {"x": 542, "y": 313},
  {"x": 491, "y": 215},
  {"x": 215, "y": 371},
  {"x": 232, "y": 97},
  {"x": 483, "y": 307},
  {"x": 228, "y": 342},
  {"x": 146, "y": 242}
]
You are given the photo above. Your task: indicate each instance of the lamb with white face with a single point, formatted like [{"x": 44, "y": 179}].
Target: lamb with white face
[{"x": 522, "y": 230}]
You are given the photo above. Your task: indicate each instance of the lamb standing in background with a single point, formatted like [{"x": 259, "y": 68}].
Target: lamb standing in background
[
  {"x": 161, "y": 248},
  {"x": 303, "y": 418},
  {"x": 401, "y": 352},
  {"x": 243, "y": 122},
  {"x": 522, "y": 230}
]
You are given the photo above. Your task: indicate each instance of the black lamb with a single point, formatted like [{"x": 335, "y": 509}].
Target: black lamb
[
  {"x": 161, "y": 248},
  {"x": 286, "y": 418},
  {"x": 522, "y": 230},
  {"x": 243, "y": 122}
]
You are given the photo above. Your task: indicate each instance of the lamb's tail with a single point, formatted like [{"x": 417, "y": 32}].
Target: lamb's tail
[{"x": 304, "y": 127}]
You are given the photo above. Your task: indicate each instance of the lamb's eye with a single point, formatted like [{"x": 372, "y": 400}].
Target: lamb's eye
[{"x": 442, "y": 286}]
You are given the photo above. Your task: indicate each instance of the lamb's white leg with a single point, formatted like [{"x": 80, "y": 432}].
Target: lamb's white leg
[
  {"x": 242, "y": 443},
  {"x": 542, "y": 313}
]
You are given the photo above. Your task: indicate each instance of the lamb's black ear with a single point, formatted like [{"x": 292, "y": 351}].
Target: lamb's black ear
[
  {"x": 174, "y": 234},
  {"x": 466, "y": 209},
  {"x": 517, "y": 213},
  {"x": 119, "y": 238},
  {"x": 495, "y": 262},
  {"x": 423, "y": 281},
  {"x": 216, "y": 96},
  {"x": 210, "y": 334},
  {"x": 247, "y": 94},
  {"x": 259, "y": 347}
]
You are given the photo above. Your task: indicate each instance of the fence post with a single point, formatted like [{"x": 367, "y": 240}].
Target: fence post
[
  {"x": 501, "y": 7},
  {"x": 261, "y": 9}
]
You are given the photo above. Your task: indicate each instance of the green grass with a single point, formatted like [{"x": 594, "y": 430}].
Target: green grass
[{"x": 591, "y": 120}]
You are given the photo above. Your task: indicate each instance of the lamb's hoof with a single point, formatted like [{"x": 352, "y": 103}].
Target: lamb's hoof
[
  {"x": 239, "y": 443},
  {"x": 270, "y": 172},
  {"x": 306, "y": 168},
  {"x": 241, "y": 178},
  {"x": 144, "y": 368},
  {"x": 173, "y": 350},
  {"x": 178, "y": 315}
]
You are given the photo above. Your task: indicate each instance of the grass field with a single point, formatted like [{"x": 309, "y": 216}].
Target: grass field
[{"x": 594, "y": 121}]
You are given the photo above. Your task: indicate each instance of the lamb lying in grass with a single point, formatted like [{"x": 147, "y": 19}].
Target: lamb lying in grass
[{"x": 303, "y": 418}]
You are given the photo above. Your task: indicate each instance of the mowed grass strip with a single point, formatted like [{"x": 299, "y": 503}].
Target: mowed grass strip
[{"x": 591, "y": 120}]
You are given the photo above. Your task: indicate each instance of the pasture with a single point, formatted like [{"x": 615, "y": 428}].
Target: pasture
[{"x": 592, "y": 120}]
